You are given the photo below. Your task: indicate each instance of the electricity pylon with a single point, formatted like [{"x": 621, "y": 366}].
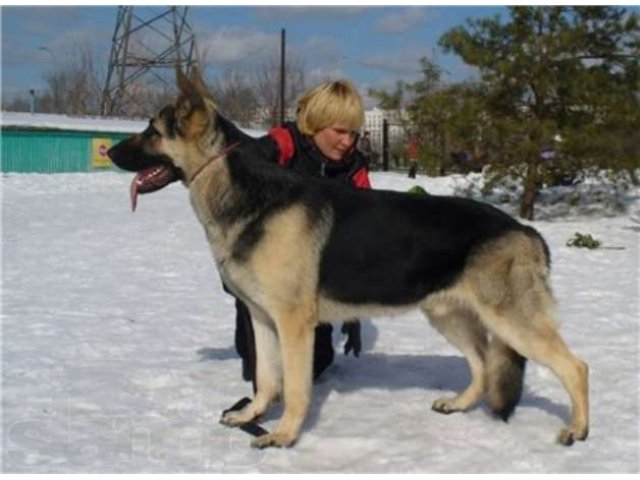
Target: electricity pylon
[{"x": 147, "y": 45}]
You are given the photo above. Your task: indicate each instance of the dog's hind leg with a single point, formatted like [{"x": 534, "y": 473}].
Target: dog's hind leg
[
  {"x": 508, "y": 285},
  {"x": 537, "y": 338},
  {"x": 268, "y": 371},
  {"x": 521, "y": 318},
  {"x": 296, "y": 334},
  {"x": 464, "y": 331}
]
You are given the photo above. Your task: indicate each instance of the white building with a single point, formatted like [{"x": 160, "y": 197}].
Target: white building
[{"x": 373, "y": 123}]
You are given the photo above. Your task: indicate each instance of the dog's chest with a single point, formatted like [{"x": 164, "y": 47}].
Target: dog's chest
[
  {"x": 221, "y": 241},
  {"x": 220, "y": 244},
  {"x": 217, "y": 238}
]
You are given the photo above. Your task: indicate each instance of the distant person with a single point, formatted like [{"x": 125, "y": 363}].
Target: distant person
[
  {"x": 413, "y": 152},
  {"x": 364, "y": 145}
]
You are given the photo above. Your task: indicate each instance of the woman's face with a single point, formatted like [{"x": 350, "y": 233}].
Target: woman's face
[{"x": 334, "y": 141}]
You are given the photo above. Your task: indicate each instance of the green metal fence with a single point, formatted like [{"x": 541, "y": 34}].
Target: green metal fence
[{"x": 55, "y": 151}]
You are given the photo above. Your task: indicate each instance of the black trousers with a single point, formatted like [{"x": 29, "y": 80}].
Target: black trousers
[{"x": 246, "y": 345}]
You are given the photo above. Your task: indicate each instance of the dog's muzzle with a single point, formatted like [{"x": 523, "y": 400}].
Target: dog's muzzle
[{"x": 153, "y": 171}]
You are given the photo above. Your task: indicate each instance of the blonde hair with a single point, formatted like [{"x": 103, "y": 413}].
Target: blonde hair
[{"x": 330, "y": 103}]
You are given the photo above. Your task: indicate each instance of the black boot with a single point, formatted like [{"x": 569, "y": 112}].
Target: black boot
[
  {"x": 245, "y": 343},
  {"x": 323, "y": 349}
]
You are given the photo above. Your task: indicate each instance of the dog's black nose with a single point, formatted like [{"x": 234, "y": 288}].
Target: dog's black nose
[
  {"x": 130, "y": 155},
  {"x": 124, "y": 156}
]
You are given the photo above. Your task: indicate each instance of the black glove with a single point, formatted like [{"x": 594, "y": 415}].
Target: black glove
[{"x": 354, "y": 341}]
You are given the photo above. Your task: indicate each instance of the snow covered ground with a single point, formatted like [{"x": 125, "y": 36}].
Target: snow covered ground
[{"x": 117, "y": 349}]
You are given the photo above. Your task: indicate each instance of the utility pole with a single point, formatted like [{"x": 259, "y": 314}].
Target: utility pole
[
  {"x": 282, "y": 74},
  {"x": 32, "y": 103},
  {"x": 385, "y": 144}
]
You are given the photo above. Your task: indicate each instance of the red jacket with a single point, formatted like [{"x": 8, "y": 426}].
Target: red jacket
[{"x": 297, "y": 152}]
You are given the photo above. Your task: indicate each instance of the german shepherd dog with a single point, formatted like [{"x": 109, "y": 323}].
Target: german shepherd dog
[{"x": 300, "y": 250}]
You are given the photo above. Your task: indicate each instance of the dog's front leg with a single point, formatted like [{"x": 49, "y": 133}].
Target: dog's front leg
[
  {"x": 296, "y": 334},
  {"x": 268, "y": 371}
]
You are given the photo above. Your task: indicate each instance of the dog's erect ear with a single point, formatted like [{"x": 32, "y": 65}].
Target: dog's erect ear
[
  {"x": 193, "y": 117},
  {"x": 198, "y": 82},
  {"x": 183, "y": 82},
  {"x": 193, "y": 85}
]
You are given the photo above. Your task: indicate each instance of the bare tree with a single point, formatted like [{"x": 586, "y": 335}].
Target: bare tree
[
  {"x": 267, "y": 85},
  {"x": 236, "y": 97},
  {"x": 73, "y": 86},
  {"x": 147, "y": 98},
  {"x": 17, "y": 103}
]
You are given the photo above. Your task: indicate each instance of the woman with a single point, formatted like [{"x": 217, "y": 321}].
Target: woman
[{"x": 321, "y": 143}]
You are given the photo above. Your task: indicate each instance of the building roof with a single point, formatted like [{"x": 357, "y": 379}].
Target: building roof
[{"x": 48, "y": 121}]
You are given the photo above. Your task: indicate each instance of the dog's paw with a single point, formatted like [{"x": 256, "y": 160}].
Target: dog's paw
[
  {"x": 568, "y": 436},
  {"x": 279, "y": 440},
  {"x": 446, "y": 405},
  {"x": 238, "y": 417}
]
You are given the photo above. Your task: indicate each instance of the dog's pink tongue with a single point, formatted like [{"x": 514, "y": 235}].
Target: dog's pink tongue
[
  {"x": 133, "y": 191},
  {"x": 150, "y": 180}
]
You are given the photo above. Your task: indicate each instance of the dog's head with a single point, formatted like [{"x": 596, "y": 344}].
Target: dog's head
[{"x": 177, "y": 143}]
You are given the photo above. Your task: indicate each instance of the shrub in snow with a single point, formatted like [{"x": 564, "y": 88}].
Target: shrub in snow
[{"x": 583, "y": 240}]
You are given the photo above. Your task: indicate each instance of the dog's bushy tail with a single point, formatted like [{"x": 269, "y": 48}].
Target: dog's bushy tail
[{"x": 505, "y": 375}]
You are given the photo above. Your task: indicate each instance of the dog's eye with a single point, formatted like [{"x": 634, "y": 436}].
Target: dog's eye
[{"x": 151, "y": 131}]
